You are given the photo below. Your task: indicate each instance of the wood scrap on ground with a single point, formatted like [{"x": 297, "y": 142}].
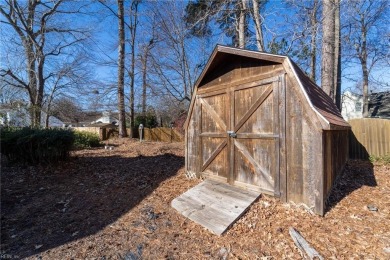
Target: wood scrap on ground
[{"x": 303, "y": 245}]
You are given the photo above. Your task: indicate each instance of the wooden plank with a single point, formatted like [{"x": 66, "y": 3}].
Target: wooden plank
[
  {"x": 256, "y": 136},
  {"x": 214, "y": 154},
  {"x": 248, "y": 186},
  {"x": 250, "y": 81},
  {"x": 302, "y": 244},
  {"x": 251, "y": 54},
  {"x": 282, "y": 142},
  {"x": 276, "y": 166},
  {"x": 198, "y": 118},
  {"x": 212, "y": 134},
  {"x": 294, "y": 146},
  {"x": 253, "y": 108},
  {"x": 212, "y": 93},
  {"x": 231, "y": 108},
  {"x": 258, "y": 83},
  {"x": 209, "y": 175},
  {"x": 214, "y": 205},
  {"x": 266, "y": 175},
  {"x": 213, "y": 114}
]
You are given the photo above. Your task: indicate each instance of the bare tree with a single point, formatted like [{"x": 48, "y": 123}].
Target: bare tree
[
  {"x": 34, "y": 23},
  {"x": 299, "y": 36},
  {"x": 144, "y": 61},
  {"x": 121, "y": 69},
  {"x": 173, "y": 68},
  {"x": 133, "y": 35},
  {"x": 68, "y": 77},
  {"x": 367, "y": 39}
]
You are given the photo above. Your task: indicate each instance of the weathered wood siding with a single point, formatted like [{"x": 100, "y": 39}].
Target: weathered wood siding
[
  {"x": 191, "y": 140},
  {"x": 370, "y": 136},
  {"x": 303, "y": 144},
  {"x": 335, "y": 156}
]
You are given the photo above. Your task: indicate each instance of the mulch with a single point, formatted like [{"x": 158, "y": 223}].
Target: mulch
[{"x": 115, "y": 204}]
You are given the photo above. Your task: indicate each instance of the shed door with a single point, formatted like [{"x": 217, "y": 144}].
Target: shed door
[
  {"x": 213, "y": 118},
  {"x": 254, "y": 146},
  {"x": 239, "y": 135}
]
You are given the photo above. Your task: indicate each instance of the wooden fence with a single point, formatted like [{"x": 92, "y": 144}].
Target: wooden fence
[
  {"x": 369, "y": 136},
  {"x": 158, "y": 134},
  {"x": 162, "y": 134}
]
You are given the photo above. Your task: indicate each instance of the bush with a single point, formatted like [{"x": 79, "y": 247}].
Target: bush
[
  {"x": 380, "y": 159},
  {"x": 36, "y": 146},
  {"x": 85, "y": 140}
]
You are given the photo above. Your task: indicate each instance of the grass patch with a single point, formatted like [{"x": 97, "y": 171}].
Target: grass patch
[{"x": 380, "y": 159}]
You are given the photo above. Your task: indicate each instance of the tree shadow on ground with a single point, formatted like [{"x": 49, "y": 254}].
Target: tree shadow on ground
[
  {"x": 45, "y": 207},
  {"x": 356, "y": 174}
]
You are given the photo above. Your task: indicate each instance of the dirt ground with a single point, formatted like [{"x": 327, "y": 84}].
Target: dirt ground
[{"x": 115, "y": 204}]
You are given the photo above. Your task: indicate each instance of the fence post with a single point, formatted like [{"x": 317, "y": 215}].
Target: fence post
[{"x": 140, "y": 128}]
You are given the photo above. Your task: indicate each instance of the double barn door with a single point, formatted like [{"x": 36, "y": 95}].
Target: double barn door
[{"x": 239, "y": 134}]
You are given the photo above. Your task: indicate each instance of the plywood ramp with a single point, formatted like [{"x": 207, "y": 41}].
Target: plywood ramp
[{"x": 214, "y": 205}]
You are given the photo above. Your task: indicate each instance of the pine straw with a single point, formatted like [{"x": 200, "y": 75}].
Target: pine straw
[{"x": 116, "y": 204}]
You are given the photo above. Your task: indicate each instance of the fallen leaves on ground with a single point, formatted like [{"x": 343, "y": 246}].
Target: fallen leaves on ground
[{"x": 116, "y": 204}]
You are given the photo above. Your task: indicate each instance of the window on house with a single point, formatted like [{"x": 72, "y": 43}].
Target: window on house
[{"x": 358, "y": 106}]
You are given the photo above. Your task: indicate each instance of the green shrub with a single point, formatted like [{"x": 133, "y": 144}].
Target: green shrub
[
  {"x": 384, "y": 159},
  {"x": 85, "y": 140},
  {"x": 36, "y": 146}
]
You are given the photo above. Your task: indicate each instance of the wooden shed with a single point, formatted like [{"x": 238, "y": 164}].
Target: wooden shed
[{"x": 256, "y": 121}]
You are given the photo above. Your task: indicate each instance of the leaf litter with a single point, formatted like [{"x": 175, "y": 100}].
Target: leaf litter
[{"x": 115, "y": 204}]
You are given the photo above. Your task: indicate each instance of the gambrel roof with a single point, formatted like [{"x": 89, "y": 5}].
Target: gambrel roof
[{"x": 318, "y": 100}]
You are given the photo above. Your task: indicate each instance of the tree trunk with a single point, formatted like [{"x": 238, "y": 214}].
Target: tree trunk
[
  {"x": 337, "y": 57},
  {"x": 241, "y": 25},
  {"x": 121, "y": 70},
  {"x": 32, "y": 84},
  {"x": 313, "y": 39},
  {"x": 328, "y": 39},
  {"x": 363, "y": 61},
  {"x": 258, "y": 23},
  {"x": 133, "y": 31},
  {"x": 144, "y": 83}
]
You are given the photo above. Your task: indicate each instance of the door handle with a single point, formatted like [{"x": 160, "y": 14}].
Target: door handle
[{"x": 232, "y": 134}]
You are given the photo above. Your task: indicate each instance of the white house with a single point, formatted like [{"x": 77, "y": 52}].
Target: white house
[
  {"x": 352, "y": 105},
  {"x": 18, "y": 115},
  {"x": 378, "y": 105},
  {"x": 106, "y": 118}
]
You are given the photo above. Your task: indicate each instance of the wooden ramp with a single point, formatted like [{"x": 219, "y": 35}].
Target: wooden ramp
[{"x": 214, "y": 205}]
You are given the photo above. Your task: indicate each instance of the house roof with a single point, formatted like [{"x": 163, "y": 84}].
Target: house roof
[
  {"x": 318, "y": 100},
  {"x": 379, "y": 105}
]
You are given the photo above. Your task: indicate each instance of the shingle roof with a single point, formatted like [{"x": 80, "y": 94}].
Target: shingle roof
[{"x": 379, "y": 105}]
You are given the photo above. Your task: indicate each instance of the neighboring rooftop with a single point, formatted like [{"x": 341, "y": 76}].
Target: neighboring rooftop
[{"x": 379, "y": 104}]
